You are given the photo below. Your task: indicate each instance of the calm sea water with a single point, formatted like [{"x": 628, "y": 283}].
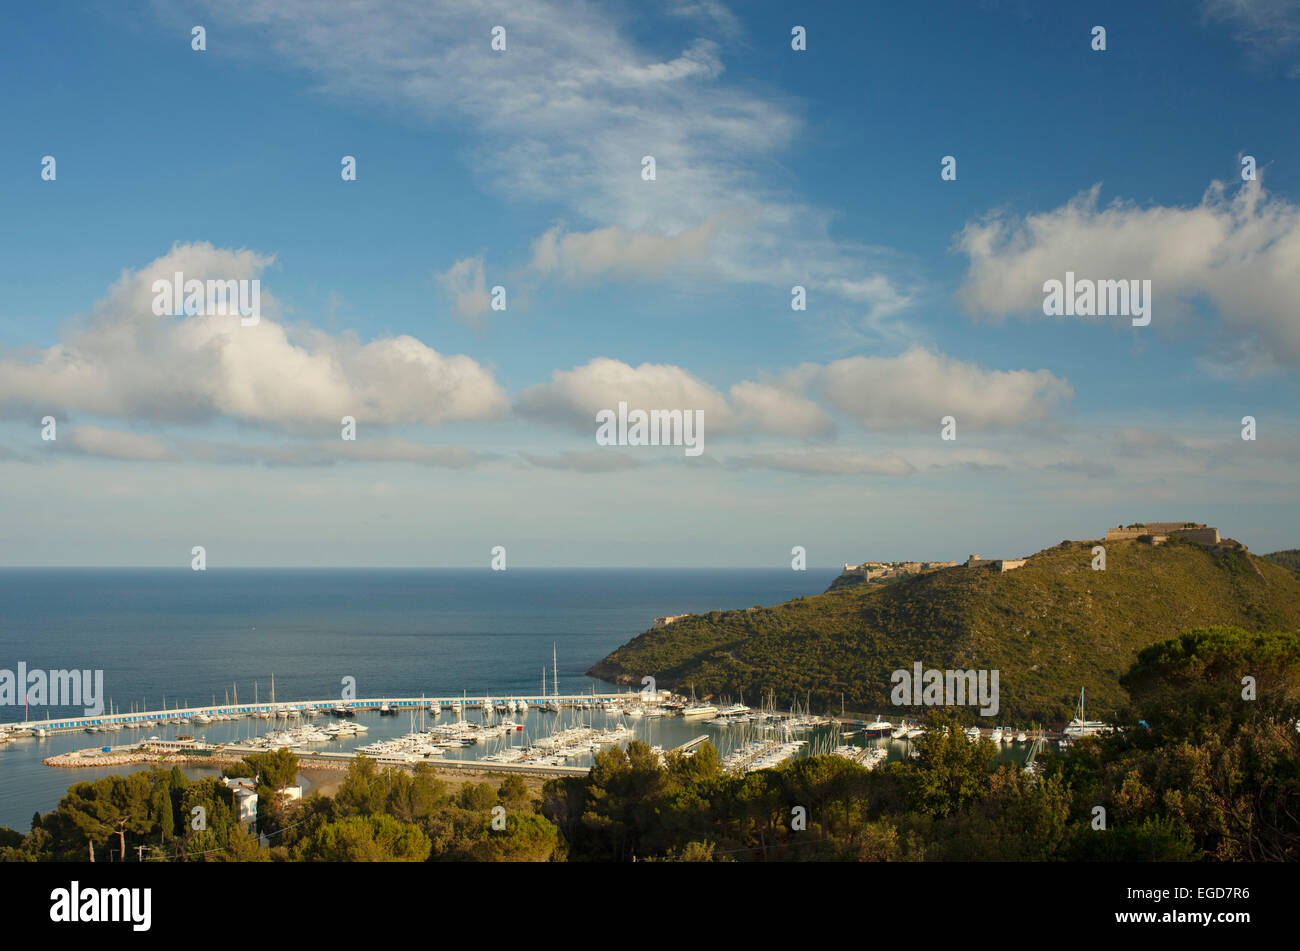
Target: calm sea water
[{"x": 190, "y": 637}]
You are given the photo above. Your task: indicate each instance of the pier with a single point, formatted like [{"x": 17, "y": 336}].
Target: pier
[{"x": 175, "y": 715}]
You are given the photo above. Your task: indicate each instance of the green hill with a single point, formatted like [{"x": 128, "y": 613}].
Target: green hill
[
  {"x": 1290, "y": 558},
  {"x": 1049, "y": 628}
]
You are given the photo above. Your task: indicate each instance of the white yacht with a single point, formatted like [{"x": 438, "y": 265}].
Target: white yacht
[
  {"x": 698, "y": 711},
  {"x": 973, "y": 734},
  {"x": 995, "y": 736},
  {"x": 1080, "y": 726},
  {"x": 878, "y": 728}
]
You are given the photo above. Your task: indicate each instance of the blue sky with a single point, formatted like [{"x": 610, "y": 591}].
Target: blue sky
[{"x": 521, "y": 168}]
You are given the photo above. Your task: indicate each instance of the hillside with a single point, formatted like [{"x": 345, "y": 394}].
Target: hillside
[
  {"x": 1049, "y": 627},
  {"x": 1289, "y": 558}
]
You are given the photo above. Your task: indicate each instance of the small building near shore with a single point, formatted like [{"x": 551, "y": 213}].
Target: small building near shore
[
  {"x": 665, "y": 621},
  {"x": 244, "y": 791},
  {"x": 245, "y": 799}
]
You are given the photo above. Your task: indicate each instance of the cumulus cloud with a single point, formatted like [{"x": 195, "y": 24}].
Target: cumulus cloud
[
  {"x": 1237, "y": 249},
  {"x": 913, "y": 390},
  {"x": 779, "y": 408},
  {"x": 918, "y": 388},
  {"x": 573, "y": 397},
  {"x": 124, "y": 361}
]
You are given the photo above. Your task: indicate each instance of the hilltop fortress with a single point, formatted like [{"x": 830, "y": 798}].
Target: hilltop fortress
[
  {"x": 1157, "y": 532},
  {"x": 1151, "y": 533},
  {"x": 893, "y": 570},
  {"x": 888, "y": 570}
]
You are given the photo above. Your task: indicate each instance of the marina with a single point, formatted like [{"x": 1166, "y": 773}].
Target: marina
[
  {"x": 534, "y": 734},
  {"x": 555, "y": 734}
]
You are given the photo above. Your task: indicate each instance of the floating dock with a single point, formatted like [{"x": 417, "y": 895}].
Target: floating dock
[{"x": 174, "y": 715}]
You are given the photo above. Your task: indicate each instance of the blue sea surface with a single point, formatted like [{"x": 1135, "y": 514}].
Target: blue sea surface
[{"x": 190, "y": 637}]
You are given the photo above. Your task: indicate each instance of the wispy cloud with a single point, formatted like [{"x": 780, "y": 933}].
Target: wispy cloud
[
  {"x": 1270, "y": 29},
  {"x": 590, "y": 461},
  {"x": 563, "y": 118}
]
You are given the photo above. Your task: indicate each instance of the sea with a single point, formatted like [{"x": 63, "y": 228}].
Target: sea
[{"x": 168, "y": 637}]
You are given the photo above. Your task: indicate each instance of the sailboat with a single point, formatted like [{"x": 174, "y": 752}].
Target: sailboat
[
  {"x": 1081, "y": 726},
  {"x": 260, "y": 714}
]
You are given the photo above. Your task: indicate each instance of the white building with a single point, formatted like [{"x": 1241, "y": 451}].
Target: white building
[{"x": 245, "y": 794}]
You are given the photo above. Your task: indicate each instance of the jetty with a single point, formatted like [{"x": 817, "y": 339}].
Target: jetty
[{"x": 295, "y": 708}]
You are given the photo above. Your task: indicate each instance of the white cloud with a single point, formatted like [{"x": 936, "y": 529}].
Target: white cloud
[
  {"x": 325, "y": 453},
  {"x": 779, "y": 408},
  {"x": 616, "y": 254},
  {"x": 124, "y": 361},
  {"x": 826, "y": 462},
  {"x": 1269, "y": 29},
  {"x": 573, "y": 397},
  {"x": 111, "y": 444},
  {"x": 465, "y": 284},
  {"x": 1238, "y": 249},
  {"x": 911, "y": 391},
  {"x": 604, "y": 460},
  {"x": 918, "y": 388},
  {"x": 145, "y": 447},
  {"x": 564, "y": 116}
]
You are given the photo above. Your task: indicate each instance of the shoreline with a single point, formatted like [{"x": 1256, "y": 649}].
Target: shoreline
[{"x": 307, "y": 763}]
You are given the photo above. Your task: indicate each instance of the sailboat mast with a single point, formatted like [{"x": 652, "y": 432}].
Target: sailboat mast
[{"x": 555, "y": 670}]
